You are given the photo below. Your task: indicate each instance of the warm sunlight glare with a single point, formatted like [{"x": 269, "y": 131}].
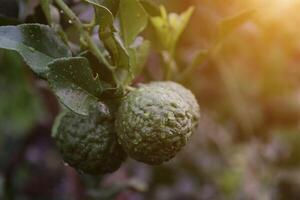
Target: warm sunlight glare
[{"x": 275, "y": 5}]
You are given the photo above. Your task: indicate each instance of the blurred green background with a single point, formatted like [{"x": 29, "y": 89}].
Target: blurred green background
[{"x": 247, "y": 145}]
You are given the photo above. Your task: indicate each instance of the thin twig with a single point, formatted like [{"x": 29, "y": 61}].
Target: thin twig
[{"x": 76, "y": 21}]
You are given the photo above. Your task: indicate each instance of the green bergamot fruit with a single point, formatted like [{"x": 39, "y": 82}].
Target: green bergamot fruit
[
  {"x": 156, "y": 120},
  {"x": 88, "y": 143},
  {"x": 185, "y": 94}
]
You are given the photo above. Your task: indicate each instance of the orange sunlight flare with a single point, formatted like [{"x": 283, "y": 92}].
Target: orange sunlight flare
[{"x": 275, "y": 6}]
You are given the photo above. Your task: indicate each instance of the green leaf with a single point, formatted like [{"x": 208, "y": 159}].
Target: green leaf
[
  {"x": 126, "y": 59},
  {"x": 109, "y": 36},
  {"x": 133, "y": 20},
  {"x": 139, "y": 52},
  {"x": 38, "y": 45},
  {"x": 111, "y": 5},
  {"x": 169, "y": 27},
  {"x": 72, "y": 81},
  {"x": 119, "y": 51},
  {"x": 104, "y": 17},
  {"x": 151, "y": 8},
  {"x": 112, "y": 41},
  {"x": 228, "y": 25},
  {"x": 99, "y": 68}
]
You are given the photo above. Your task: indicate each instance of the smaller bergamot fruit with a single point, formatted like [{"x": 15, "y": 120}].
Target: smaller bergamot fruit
[
  {"x": 88, "y": 143},
  {"x": 156, "y": 120}
]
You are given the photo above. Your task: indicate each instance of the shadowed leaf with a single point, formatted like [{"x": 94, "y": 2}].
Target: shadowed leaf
[
  {"x": 38, "y": 45},
  {"x": 72, "y": 81},
  {"x": 133, "y": 20}
]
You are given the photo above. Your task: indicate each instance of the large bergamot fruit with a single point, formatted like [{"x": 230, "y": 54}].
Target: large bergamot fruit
[
  {"x": 156, "y": 120},
  {"x": 88, "y": 143}
]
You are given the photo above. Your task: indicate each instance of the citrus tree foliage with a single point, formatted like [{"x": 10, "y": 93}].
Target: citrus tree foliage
[
  {"x": 98, "y": 61},
  {"x": 72, "y": 79}
]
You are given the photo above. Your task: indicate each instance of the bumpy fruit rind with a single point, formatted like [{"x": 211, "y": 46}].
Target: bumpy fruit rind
[
  {"x": 88, "y": 143},
  {"x": 185, "y": 94},
  {"x": 156, "y": 120}
]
